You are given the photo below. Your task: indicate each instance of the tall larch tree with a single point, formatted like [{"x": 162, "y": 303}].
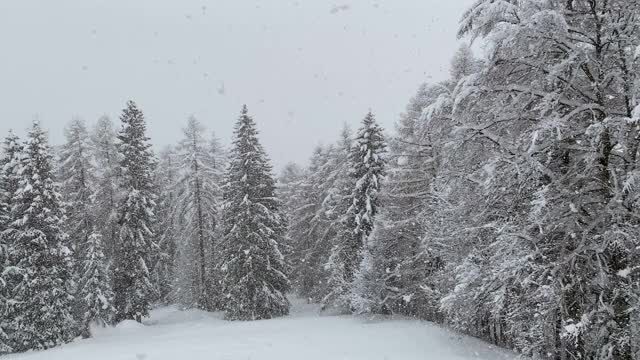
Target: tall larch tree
[
  {"x": 133, "y": 287},
  {"x": 288, "y": 186},
  {"x": 77, "y": 179},
  {"x": 254, "y": 274},
  {"x": 40, "y": 316},
  {"x": 339, "y": 187},
  {"x": 76, "y": 176},
  {"x": 167, "y": 227},
  {"x": 197, "y": 203},
  {"x": 294, "y": 189},
  {"x": 318, "y": 205},
  {"x": 219, "y": 157},
  {"x": 107, "y": 193}
]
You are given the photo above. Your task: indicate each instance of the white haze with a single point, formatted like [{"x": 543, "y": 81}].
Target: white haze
[{"x": 302, "y": 67}]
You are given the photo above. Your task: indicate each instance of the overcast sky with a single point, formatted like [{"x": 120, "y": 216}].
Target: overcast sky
[{"x": 303, "y": 67}]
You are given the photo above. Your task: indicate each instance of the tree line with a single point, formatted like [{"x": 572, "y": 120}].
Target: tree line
[
  {"x": 509, "y": 206},
  {"x": 99, "y": 230}
]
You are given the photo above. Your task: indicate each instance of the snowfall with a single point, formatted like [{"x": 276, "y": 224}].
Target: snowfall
[{"x": 172, "y": 334}]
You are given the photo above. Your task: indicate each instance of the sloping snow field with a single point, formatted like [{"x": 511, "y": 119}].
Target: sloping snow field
[{"x": 171, "y": 334}]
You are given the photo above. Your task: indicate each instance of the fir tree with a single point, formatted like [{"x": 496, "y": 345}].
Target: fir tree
[
  {"x": 367, "y": 170},
  {"x": 396, "y": 271},
  {"x": 40, "y": 316},
  {"x": 9, "y": 162},
  {"x": 9, "y": 184},
  {"x": 133, "y": 288},
  {"x": 254, "y": 274},
  {"x": 9, "y": 181},
  {"x": 94, "y": 288}
]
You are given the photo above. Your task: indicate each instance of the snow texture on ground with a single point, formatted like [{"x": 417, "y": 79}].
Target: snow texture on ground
[{"x": 171, "y": 334}]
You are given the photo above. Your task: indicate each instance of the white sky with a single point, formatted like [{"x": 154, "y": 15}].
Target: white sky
[{"x": 303, "y": 67}]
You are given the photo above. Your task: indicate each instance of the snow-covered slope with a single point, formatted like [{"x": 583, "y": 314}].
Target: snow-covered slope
[{"x": 171, "y": 334}]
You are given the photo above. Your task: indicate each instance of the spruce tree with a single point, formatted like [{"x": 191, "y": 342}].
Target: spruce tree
[
  {"x": 9, "y": 162},
  {"x": 395, "y": 273},
  {"x": 94, "y": 287},
  {"x": 133, "y": 287},
  {"x": 366, "y": 172},
  {"x": 40, "y": 316},
  {"x": 9, "y": 182},
  {"x": 9, "y": 166},
  {"x": 254, "y": 274}
]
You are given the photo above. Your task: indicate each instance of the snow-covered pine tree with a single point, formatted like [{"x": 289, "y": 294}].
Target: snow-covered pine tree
[
  {"x": 395, "y": 273},
  {"x": 10, "y": 159},
  {"x": 9, "y": 162},
  {"x": 368, "y": 171},
  {"x": 367, "y": 159},
  {"x": 197, "y": 204},
  {"x": 133, "y": 287},
  {"x": 40, "y": 316},
  {"x": 107, "y": 196},
  {"x": 94, "y": 286},
  {"x": 254, "y": 273}
]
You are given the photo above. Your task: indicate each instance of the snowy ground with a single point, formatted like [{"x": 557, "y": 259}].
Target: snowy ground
[{"x": 171, "y": 334}]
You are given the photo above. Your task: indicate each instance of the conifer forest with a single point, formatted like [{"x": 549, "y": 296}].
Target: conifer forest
[{"x": 499, "y": 216}]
